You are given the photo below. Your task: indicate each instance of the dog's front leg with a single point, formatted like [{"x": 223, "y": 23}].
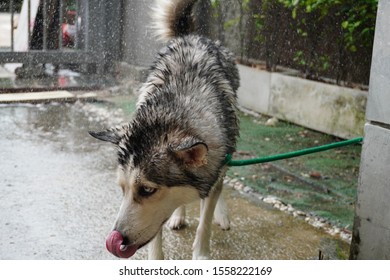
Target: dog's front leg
[
  {"x": 155, "y": 247},
  {"x": 201, "y": 246}
]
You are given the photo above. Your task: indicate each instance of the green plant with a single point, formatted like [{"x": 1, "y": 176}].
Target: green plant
[
  {"x": 359, "y": 17},
  {"x": 321, "y": 38},
  {"x": 299, "y": 58},
  {"x": 5, "y": 5},
  {"x": 357, "y": 21}
]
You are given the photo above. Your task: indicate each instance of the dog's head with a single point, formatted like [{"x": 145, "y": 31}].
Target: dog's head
[{"x": 158, "y": 172}]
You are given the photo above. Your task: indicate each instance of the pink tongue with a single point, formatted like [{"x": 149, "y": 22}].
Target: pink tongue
[{"x": 114, "y": 245}]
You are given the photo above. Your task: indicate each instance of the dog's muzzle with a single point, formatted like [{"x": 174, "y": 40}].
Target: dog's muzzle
[{"x": 114, "y": 244}]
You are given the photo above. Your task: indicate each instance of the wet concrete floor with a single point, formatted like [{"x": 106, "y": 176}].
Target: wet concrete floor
[{"x": 59, "y": 198}]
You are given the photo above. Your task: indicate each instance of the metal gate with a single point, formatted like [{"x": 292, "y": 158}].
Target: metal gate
[{"x": 63, "y": 32}]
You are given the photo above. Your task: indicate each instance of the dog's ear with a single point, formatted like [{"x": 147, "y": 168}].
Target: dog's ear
[
  {"x": 192, "y": 153},
  {"x": 113, "y": 135}
]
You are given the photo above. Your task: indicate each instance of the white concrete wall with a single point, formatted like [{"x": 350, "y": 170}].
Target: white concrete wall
[
  {"x": 371, "y": 234},
  {"x": 331, "y": 109},
  {"x": 254, "y": 90}
]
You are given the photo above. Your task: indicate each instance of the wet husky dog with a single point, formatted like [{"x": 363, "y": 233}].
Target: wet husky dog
[{"x": 173, "y": 151}]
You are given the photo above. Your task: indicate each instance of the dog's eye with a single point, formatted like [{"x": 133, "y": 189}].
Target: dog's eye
[{"x": 146, "y": 191}]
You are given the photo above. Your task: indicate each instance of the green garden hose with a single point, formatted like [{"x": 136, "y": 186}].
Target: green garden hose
[{"x": 292, "y": 154}]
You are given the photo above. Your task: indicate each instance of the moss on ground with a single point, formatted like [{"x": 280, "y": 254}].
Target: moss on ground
[{"x": 323, "y": 183}]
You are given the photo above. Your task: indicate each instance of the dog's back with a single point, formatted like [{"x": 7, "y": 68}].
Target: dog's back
[
  {"x": 173, "y": 21},
  {"x": 191, "y": 88}
]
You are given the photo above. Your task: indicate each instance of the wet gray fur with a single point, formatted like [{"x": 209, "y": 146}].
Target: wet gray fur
[{"x": 188, "y": 98}]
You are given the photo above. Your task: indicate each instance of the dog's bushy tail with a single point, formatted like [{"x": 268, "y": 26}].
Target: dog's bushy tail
[{"x": 173, "y": 18}]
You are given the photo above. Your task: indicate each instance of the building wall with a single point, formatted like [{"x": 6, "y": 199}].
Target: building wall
[{"x": 371, "y": 235}]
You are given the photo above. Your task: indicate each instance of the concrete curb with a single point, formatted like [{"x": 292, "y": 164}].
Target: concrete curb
[{"x": 45, "y": 96}]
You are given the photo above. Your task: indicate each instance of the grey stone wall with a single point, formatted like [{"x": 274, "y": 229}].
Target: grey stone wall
[{"x": 371, "y": 235}]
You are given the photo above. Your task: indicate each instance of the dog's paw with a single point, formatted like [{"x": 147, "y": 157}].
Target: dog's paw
[
  {"x": 176, "y": 222},
  {"x": 222, "y": 221},
  {"x": 221, "y": 214},
  {"x": 201, "y": 247},
  {"x": 199, "y": 256}
]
